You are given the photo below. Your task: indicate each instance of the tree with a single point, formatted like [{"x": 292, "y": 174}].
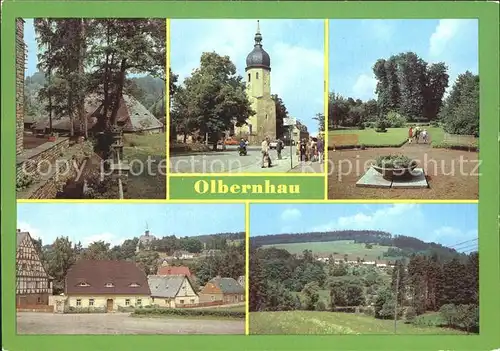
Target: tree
[
  {"x": 59, "y": 259},
  {"x": 213, "y": 98},
  {"x": 147, "y": 261},
  {"x": 281, "y": 114},
  {"x": 437, "y": 82},
  {"x": 320, "y": 118},
  {"x": 98, "y": 250},
  {"x": 311, "y": 295}
]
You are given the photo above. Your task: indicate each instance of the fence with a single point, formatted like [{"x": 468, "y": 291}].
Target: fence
[
  {"x": 36, "y": 308},
  {"x": 465, "y": 140}
]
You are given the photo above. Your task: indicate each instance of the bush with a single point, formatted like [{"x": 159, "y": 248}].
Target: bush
[
  {"x": 320, "y": 306},
  {"x": 395, "y": 120},
  {"x": 369, "y": 311},
  {"x": 449, "y": 314},
  {"x": 188, "y": 312},
  {"x": 394, "y": 161},
  {"x": 71, "y": 309},
  {"x": 410, "y": 314}
]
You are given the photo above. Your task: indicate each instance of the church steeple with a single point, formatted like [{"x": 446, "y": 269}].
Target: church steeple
[
  {"x": 258, "y": 57},
  {"x": 258, "y": 36}
]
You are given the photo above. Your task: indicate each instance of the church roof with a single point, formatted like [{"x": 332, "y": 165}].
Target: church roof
[{"x": 258, "y": 57}]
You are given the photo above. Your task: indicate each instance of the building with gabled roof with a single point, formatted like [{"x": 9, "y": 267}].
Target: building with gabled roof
[
  {"x": 225, "y": 290},
  {"x": 174, "y": 270},
  {"x": 106, "y": 284},
  {"x": 172, "y": 291}
]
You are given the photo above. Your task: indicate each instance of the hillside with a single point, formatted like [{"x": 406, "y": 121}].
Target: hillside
[{"x": 387, "y": 244}]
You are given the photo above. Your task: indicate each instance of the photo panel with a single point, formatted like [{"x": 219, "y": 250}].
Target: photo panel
[
  {"x": 337, "y": 269},
  {"x": 133, "y": 269},
  {"x": 247, "y": 96},
  {"x": 91, "y": 108},
  {"x": 404, "y": 109}
]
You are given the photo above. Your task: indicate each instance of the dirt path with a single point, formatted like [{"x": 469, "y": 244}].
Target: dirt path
[{"x": 121, "y": 323}]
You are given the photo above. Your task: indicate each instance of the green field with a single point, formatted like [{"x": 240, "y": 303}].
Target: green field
[
  {"x": 393, "y": 137},
  {"x": 312, "y": 322},
  {"x": 340, "y": 247}
]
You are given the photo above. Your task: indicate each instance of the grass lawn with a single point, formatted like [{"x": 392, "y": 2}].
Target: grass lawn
[
  {"x": 393, "y": 137},
  {"x": 340, "y": 247},
  {"x": 138, "y": 149},
  {"x": 312, "y": 322}
]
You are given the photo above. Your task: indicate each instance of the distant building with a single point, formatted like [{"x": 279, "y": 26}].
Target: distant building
[
  {"x": 241, "y": 280},
  {"x": 172, "y": 291},
  {"x": 145, "y": 241},
  {"x": 183, "y": 255},
  {"x": 174, "y": 270},
  {"x": 225, "y": 290},
  {"x": 108, "y": 284},
  {"x": 33, "y": 284},
  {"x": 369, "y": 263}
]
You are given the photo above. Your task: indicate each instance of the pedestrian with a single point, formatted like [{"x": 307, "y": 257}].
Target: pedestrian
[
  {"x": 265, "y": 153},
  {"x": 417, "y": 134},
  {"x": 303, "y": 150},
  {"x": 279, "y": 148},
  {"x": 425, "y": 135},
  {"x": 321, "y": 149},
  {"x": 410, "y": 135}
]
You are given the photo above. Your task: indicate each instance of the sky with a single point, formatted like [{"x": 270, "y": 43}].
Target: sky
[
  {"x": 296, "y": 48},
  {"x": 446, "y": 224},
  {"x": 355, "y": 46},
  {"x": 115, "y": 223}
]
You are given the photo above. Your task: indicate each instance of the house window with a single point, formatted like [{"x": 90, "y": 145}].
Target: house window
[
  {"x": 38, "y": 300},
  {"x": 212, "y": 297},
  {"x": 109, "y": 285},
  {"x": 91, "y": 302},
  {"x": 78, "y": 302},
  {"x": 236, "y": 298},
  {"x": 181, "y": 302},
  {"x": 152, "y": 299},
  {"x": 257, "y": 75},
  {"x": 192, "y": 301},
  {"x": 166, "y": 302},
  {"x": 84, "y": 284},
  {"x": 139, "y": 302},
  {"x": 249, "y": 77},
  {"x": 127, "y": 302},
  {"x": 250, "y": 128},
  {"x": 134, "y": 285}
]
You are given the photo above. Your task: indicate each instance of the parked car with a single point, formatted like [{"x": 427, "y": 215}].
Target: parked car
[{"x": 273, "y": 144}]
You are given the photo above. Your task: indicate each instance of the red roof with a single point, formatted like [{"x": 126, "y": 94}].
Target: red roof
[
  {"x": 174, "y": 270},
  {"x": 106, "y": 277}
]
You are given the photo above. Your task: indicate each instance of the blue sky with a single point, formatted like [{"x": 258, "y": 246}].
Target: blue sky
[
  {"x": 296, "y": 48},
  {"x": 446, "y": 224},
  {"x": 355, "y": 45},
  {"x": 115, "y": 223}
]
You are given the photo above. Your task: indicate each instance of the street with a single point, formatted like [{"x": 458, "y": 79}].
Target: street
[
  {"x": 229, "y": 161},
  {"x": 121, "y": 323}
]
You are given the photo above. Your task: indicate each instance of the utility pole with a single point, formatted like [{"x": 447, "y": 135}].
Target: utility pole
[{"x": 396, "y": 301}]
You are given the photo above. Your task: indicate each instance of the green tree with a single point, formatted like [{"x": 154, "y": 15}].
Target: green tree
[
  {"x": 147, "y": 261},
  {"x": 97, "y": 250},
  {"x": 281, "y": 114},
  {"x": 311, "y": 295},
  {"x": 59, "y": 259}
]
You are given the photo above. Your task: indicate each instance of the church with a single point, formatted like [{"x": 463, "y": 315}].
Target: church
[{"x": 258, "y": 88}]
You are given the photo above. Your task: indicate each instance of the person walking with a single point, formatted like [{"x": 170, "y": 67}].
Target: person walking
[
  {"x": 425, "y": 135},
  {"x": 410, "y": 135},
  {"x": 302, "y": 150},
  {"x": 321, "y": 149},
  {"x": 265, "y": 153},
  {"x": 279, "y": 148}
]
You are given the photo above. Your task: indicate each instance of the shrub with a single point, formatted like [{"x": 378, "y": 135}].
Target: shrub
[
  {"x": 394, "y": 161},
  {"x": 369, "y": 311},
  {"x": 320, "y": 306},
  {"x": 188, "y": 312},
  {"x": 468, "y": 317},
  {"x": 71, "y": 309},
  {"x": 410, "y": 314},
  {"x": 395, "y": 120},
  {"x": 24, "y": 181},
  {"x": 449, "y": 314}
]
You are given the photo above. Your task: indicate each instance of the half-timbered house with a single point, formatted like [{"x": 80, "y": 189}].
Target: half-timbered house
[{"x": 33, "y": 284}]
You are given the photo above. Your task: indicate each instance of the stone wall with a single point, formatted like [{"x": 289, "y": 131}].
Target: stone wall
[{"x": 20, "y": 65}]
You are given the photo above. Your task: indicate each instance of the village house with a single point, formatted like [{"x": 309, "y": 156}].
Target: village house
[
  {"x": 381, "y": 265},
  {"x": 369, "y": 263},
  {"x": 172, "y": 291},
  {"x": 183, "y": 255},
  {"x": 106, "y": 284},
  {"x": 33, "y": 284},
  {"x": 174, "y": 270},
  {"x": 211, "y": 252},
  {"x": 225, "y": 290}
]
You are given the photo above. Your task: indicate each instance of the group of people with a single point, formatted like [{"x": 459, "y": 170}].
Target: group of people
[
  {"x": 310, "y": 150},
  {"x": 414, "y": 133}
]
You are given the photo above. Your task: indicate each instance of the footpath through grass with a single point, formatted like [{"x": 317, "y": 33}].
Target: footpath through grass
[
  {"x": 142, "y": 151},
  {"x": 313, "y": 322}
]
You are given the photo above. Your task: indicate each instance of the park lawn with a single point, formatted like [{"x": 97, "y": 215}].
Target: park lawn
[
  {"x": 339, "y": 247},
  {"x": 138, "y": 149},
  {"x": 368, "y": 137},
  {"x": 314, "y": 322}
]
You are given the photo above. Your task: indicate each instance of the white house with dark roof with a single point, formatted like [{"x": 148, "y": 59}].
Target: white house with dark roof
[{"x": 172, "y": 291}]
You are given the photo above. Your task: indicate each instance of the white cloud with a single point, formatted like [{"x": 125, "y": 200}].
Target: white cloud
[
  {"x": 106, "y": 237},
  {"x": 445, "y": 32},
  {"x": 297, "y": 74},
  {"x": 453, "y": 236},
  {"x": 394, "y": 217},
  {"x": 381, "y": 29},
  {"x": 291, "y": 214},
  {"x": 364, "y": 87},
  {"x": 26, "y": 227}
]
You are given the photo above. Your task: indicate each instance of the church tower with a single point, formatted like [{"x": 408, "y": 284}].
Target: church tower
[{"x": 258, "y": 89}]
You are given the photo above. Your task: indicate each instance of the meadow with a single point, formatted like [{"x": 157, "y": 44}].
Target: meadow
[
  {"x": 138, "y": 149},
  {"x": 314, "y": 322},
  {"x": 340, "y": 247}
]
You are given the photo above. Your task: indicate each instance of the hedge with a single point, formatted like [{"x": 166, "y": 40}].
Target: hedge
[
  {"x": 364, "y": 146},
  {"x": 188, "y": 312},
  {"x": 71, "y": 309},
  {"x": 460, "y": 147}
]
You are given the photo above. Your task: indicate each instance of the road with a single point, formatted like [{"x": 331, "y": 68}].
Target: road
[
  {"x": 121, "y": 323},
  {"x": 228, "y": 161}
]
